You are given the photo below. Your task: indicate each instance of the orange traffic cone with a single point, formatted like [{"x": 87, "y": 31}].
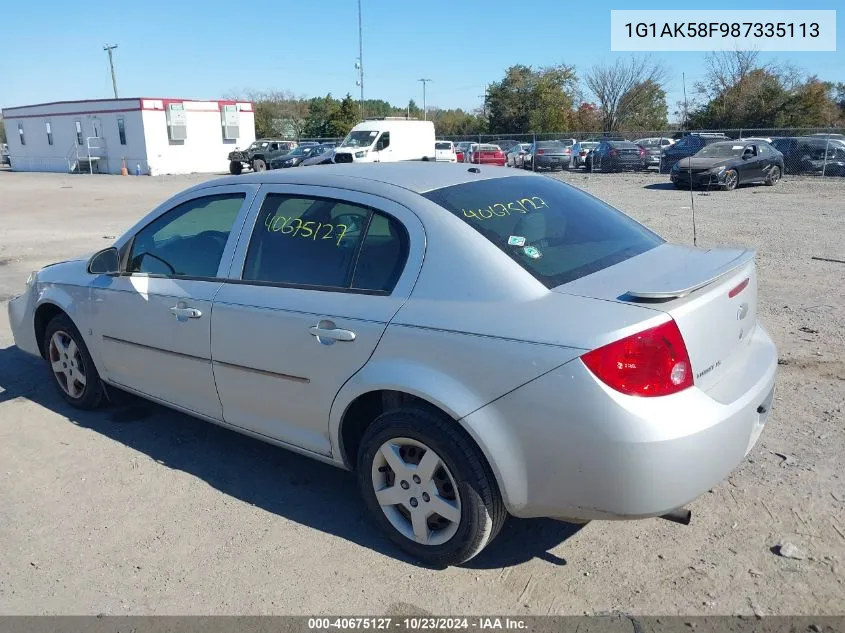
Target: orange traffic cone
[{"x": 123, "y": 170}]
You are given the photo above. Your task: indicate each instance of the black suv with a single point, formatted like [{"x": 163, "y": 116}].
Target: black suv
[
  {"x": 259, "y": 154},
  {"x": 689, "y": 145}
]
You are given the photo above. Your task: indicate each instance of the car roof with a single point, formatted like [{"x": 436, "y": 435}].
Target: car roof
[{"x": 416, "y": 176}]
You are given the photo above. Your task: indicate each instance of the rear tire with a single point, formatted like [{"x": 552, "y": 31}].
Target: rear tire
[
  {"x": 235, "y": 168},
  {"x": 74, "y": 374},
  {"x": 259, "y": 165},
  {"x": 460, "y": 483}
]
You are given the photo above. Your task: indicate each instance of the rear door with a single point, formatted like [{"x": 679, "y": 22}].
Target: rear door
[{"x": 311, "y": 292}]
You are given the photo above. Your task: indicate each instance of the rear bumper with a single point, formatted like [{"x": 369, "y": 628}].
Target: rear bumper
[
  {"x": 22, "y": 320},
  {"x": 578, "y": 449},
  {"x": 551, "y": 161}
]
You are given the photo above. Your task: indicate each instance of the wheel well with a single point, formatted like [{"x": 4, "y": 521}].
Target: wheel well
[
  {"x": 365, "y": 409},
  {"x": 43, "y": 315}
]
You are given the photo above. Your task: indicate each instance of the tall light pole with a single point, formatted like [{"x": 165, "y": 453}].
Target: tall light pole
[
  {"x": 361, "y": 59},
  {"x": 109, "y": 48},
  {"x": 424, "y": 82}
]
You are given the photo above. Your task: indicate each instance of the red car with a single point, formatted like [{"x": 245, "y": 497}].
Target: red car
[
  {"x": 459, "y": 153},
  {"x": 488, "y": 155}
]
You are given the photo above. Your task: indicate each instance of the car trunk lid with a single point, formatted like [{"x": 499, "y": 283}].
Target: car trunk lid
[{"x": 710, "y": 294}]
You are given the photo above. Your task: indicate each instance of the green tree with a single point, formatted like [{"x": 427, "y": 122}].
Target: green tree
[
  {"x": 321, "y": 112},
  {"x": 344, "y": 117},
  {"x": 527, "y": 100},
  {"x": 457, "y": 122},
  {"x": 643, "y": 107},
  {"x": 2, "y": 132},
  {"x": 619, "y": 88},
  {"x": 587, "y": 118}
]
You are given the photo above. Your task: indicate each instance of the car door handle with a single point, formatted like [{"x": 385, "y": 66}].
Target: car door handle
[
  {"x": 184, "y": 312},
  {"x": 332, "y": 333}
]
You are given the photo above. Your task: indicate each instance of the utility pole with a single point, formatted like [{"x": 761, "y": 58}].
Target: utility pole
[
  {"x": 424, "y": 82},
  {"x": 109, "y": 48},
  {"x": 361, "y": 59}
]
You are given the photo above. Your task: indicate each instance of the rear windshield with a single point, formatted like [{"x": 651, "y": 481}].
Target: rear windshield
[
  {"x": 555, "y": 231},
  {"x": 622, "y": 144},
  {"x": 442, "y": 146},
  {"x": 551, "y": 145}
]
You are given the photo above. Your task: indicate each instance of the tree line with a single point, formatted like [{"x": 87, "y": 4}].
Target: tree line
[{"x": 738, "y": 91}]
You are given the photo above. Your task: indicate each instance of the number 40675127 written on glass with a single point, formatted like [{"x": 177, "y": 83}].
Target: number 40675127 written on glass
[{"x": 295, "y": 227}]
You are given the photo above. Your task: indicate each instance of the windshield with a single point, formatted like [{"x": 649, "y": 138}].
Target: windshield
[
  {"x": 722, "y": 150},
  {"x": 258, "y": 145},
  {"x": 361, "y": 138},
  {"x": 554, "y": 231}
]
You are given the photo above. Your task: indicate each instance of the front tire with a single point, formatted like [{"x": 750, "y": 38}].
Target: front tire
[
  {"x": 774, "y": 176},
  {"x": 70, "y": 364},
  {"x": 235, "y": 167},
  {"x": 731, "y": 180},
  {"x": 428, "y": 487}
]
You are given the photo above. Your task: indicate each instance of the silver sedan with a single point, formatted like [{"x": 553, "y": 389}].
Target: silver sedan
[{"x": 472, "y": 342}]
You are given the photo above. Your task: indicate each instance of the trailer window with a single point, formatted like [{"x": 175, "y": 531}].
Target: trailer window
[
  {"x": 20, "y": 134},
  {"x": 121, "y": 130}
]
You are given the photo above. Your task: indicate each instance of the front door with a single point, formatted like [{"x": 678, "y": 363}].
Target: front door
[
  {"x": 155, "y": 318},
  {"x": 323, "y": 274}
]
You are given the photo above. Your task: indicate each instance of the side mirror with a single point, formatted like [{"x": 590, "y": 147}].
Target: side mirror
[{"x": 104, "y": 262}]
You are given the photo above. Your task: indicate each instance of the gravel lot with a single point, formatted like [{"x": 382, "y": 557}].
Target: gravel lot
[{"x": 140, "y": 510}]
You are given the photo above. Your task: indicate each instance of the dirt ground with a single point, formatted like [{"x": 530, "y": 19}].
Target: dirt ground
[{"x": 140, "y": 510}]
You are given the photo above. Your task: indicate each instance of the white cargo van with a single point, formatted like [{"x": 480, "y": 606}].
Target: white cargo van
[{"x": 386, "y": 141}]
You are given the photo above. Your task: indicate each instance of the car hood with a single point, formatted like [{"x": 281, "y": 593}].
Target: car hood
[
  {"x": 64, "y": 272},
  {"x": 694, "y": 162}
]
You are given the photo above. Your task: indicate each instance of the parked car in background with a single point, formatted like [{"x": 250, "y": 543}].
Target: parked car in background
[
  {"x": 514, "y": 158},
  {"x": 463, "y": 148},
  {"x": 616, "y": 156},
  {"x": 549, "y": 155},
  {"x": 259, "y": 154},
  {"x": 617, "y": 376},
  {"x": 801, "y": 153},
  {"x": 487, "y": 154},
  {"x": 579, "y": 151},
  {"x": 387, "y": 140},
  {"x": 661, "y": 141},
  {"x": 5, "y": 157},
  {"x": 323, "y": 154},
  {"x": 444, "y": 152},
  {"x": 653, "y": 148},
  {"x": 506, "y": 145},
  {"x": 687, "y": 146},
  {"x": 727, "y": 164},
  {"x": 292, "y": 158}
]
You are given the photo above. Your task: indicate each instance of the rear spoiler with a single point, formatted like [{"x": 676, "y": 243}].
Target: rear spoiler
[{"x": 698, "y": 270}]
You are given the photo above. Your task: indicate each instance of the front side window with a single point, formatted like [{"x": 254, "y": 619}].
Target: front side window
[
  {"x": 325, "y": 243},
  {"x": 554, "y": 231},
  {"x": 188, "y": 240},
  {"x": 384, "y": 141},
  {"x": 121, "y": 130},
  {"x": 21, "y": 134}
]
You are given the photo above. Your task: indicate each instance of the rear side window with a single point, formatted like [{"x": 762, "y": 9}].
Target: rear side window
[
  {"x": 324, "y": 243},
  {"x": 554, "y": 231}
]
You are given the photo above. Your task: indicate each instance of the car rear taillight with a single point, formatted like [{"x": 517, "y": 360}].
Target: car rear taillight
[
  {"x": 614, "y": 152},
  {"x": 541, "y": 151},
  {"x": 650, "y": 363},
  {"x": 582, "y": 153}
]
